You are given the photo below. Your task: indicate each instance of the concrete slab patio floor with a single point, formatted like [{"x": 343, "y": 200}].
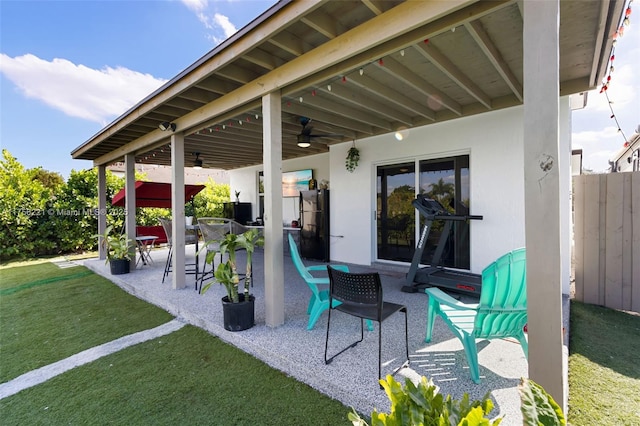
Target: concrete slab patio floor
[{"x": 352, "y": 377}]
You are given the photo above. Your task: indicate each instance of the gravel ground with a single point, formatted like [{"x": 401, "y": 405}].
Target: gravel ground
[{"x": 352, "y": 377}]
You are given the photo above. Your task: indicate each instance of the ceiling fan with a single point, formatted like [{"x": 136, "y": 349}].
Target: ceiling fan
[
  {"x": 304, "y": 138},
  {"x": 198, "y": 162}
]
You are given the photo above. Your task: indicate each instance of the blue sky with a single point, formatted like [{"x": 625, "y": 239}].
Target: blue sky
[{"x": 68, "y": 68}]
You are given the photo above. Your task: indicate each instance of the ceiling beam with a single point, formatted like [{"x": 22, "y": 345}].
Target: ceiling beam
[
  {"x": 436, "y": 97},
  {"x": 487, "y": 46},
  {"x": 359, "y": 100},
  {"x": 397, "y": 22},
  {"x": 449, "y": 69},
  {"x": 390, "y": 95}
]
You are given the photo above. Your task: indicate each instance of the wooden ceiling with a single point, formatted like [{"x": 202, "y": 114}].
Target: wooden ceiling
[{"x": 466, "y": 61}]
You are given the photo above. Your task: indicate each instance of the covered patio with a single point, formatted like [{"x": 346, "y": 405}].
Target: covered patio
[
  {"x": 362, "y": 70},
  {"x": 351, "y": 377}
]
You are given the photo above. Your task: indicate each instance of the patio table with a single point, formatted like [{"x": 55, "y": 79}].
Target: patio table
[{"x": 145, "y": 244}]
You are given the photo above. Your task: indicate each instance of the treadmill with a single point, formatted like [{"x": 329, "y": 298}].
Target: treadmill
[{"x": 437, "y": 275}]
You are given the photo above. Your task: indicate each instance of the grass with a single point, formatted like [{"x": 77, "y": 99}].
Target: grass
[
  {"x": 191, "y": 377},
  {"x": 48, "y": 314},
  {"x": 186, "y": 377},
  {"x": 604, "y": 368}
]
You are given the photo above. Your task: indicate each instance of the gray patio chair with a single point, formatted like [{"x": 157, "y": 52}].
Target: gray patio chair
[
  {"x": 213, "y": 229},
  {"x": 191, "y": 237}
]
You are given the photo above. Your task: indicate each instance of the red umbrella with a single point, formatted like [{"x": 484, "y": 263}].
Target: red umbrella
[{"x": 155, "y": 194}]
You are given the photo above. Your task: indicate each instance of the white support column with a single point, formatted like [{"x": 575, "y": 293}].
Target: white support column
[
  {"x": 542, "y": 196},
  {"x": 130, "y": 203},
  {"x": 273, "y": 257},
  {"x": 177, "y": 211},
  {"x": 102, "y": 207}
]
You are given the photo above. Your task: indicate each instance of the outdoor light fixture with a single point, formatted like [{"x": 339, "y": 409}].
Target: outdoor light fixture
[
  {"x": 401, "y": 133},
  {"x": 304, "y": 141},
  {"x": 165, "y": 125},
  {"x": 197, "y": 164}
]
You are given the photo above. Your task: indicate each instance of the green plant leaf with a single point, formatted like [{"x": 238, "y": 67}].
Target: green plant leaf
[{"x": 538, "y": 407}]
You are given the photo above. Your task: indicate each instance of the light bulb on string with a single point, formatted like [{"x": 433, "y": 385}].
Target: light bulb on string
[
  {"x": 329, "y": 87},
  {"x": 361, "y": 71}
]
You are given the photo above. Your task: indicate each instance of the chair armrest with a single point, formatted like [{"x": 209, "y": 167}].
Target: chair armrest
[
  {"x": 343, "y": 268},
  {"x": 318, "y": 281},
  {"x": 444, "y": 299}
]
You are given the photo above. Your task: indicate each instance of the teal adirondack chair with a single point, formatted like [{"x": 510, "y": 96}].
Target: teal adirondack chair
[
  {"x": 319, "y": 301},
  {"x": 501, "y": 312}
]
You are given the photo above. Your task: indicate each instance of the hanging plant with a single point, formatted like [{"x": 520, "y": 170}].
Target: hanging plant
[{"x": 353, "y": 156}]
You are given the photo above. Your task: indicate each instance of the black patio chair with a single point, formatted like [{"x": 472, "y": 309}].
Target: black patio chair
[{"x": 360, "y": 295}]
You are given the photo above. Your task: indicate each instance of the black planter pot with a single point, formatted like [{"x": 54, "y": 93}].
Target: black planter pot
[
  {"x": 119, "y": 266},
  {"x": 238, "y": 316}
]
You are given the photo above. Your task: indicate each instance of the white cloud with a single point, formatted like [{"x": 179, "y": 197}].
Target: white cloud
[
  {"x": 593, "y": 128},
  {"x": 598, "y": 147},
  {"x": 196, "y": 5},
  {"x": 226, "y": 25},
  {"x": 77, "y": 90},
  {"x": 220, "y": 25}
]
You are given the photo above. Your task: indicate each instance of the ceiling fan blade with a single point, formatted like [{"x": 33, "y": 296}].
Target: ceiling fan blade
[{"x": 328, "y": 135}]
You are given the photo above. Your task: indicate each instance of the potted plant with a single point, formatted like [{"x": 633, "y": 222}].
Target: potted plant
[
  {"x": 118, "y": 248},
  {"x": 189, "y": 213},
  {"x": 353, "y": 156},
  {"x": 238, "y": 309}
]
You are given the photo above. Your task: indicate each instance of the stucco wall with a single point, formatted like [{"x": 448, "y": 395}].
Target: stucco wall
[{"x": 493, "y": 142}]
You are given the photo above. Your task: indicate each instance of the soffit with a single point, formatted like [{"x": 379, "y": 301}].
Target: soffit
[{"x": 468, "y": 62}]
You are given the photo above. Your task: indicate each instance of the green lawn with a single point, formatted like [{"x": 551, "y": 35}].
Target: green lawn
[
  {"x": 187, "y": 377},
  {"x": 48, "y": 314},
  {"x": 191, "y": 377},
  {"x": 604, "y": 366}
]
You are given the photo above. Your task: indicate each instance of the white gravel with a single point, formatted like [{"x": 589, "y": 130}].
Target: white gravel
[{"x": 352, "y": 377}]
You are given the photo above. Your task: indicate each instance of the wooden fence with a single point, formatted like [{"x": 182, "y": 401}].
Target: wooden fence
[{"x": 607, "y": 239}]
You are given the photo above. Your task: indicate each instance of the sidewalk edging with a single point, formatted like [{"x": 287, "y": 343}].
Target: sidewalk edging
[{"x": 47, "y": 372}]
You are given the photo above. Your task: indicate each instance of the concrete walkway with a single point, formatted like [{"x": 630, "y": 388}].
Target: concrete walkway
[{"x": 47, "y": 372}]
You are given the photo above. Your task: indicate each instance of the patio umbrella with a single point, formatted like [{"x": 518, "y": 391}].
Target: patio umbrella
[{"x": 155, "y": 194}]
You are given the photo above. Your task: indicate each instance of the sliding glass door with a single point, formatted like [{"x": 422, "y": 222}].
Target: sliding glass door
[
  {"x": 395, "y": 214},
  {"x": 447, "y": 181},
  {"x": 443, "y": 179}
]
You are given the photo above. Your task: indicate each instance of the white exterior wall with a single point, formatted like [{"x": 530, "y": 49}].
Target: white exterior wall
[
  {"x": 246, "y": 181},
  {"x": 494, "y": 142}
]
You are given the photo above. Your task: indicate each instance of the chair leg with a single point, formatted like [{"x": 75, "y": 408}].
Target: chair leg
[
  {"x": 471, "y": 350},
  {"x": 431, "y": 317},
  {"x": 326, "y": 342},
  {"x": 203, "y": 274},
  {"x": 524, "y": 344},
  {"x": 312, "y": 302},
  {"x": 406, "y": 342},
  {"x": 167, "y": 265},
  {"x": 317, "y": 310}
]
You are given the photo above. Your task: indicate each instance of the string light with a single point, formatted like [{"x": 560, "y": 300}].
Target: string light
[{"x": 607, "y": 80}]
